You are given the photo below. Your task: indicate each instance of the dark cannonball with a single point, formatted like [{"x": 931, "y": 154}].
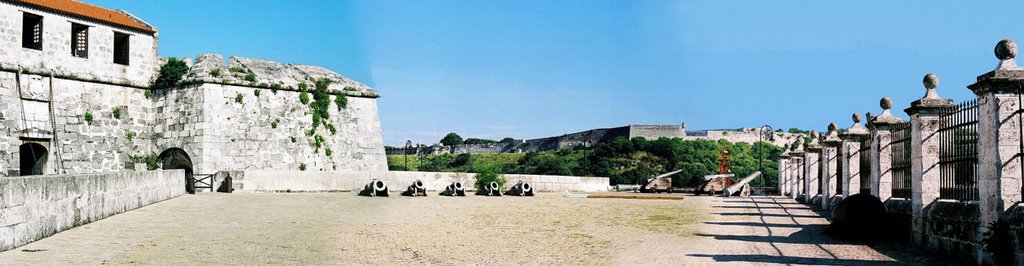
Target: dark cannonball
[{"x": 859, "y": 217}]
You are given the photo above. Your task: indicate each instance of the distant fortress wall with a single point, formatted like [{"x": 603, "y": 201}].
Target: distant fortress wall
[
  {"x": 748, "y": 135},
  {"x": 601, "y": 135}
]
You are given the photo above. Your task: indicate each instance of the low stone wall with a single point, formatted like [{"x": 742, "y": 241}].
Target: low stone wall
[
  {"x": 1015, "y": 232},
  {"x": 901, "y": 219},
  {"x": 952, "y": 227},
  {"x": 34, "y": 207},
  {"x": 313, "y": 181}
]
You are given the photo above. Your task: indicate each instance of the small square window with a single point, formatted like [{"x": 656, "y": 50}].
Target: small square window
[
  {"x": 121, "y": 48},
  {"x": 32, "y": 31},
  {"x": 79, "y": 40}
]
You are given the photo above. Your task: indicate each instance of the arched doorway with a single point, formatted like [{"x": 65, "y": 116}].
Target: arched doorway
[
  {"x": 33, "y": 158},
  {"x": 175, "y": 158}
]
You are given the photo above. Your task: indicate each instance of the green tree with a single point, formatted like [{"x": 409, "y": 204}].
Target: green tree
[
  {"x": 451, "y": 139},
  {"x": 478, "y": 141}
]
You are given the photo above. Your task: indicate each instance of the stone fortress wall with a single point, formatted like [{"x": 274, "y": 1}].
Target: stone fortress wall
[
  {"x": 257, "y": 132},
  {"x": 600, "y": 135},
  {"x": 47, "y": 93},
  {"x": 748, "y": 135}
]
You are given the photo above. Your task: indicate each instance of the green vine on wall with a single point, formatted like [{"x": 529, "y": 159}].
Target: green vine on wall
[
  {"x": 149, "y": 159},
  {"x": 321, "y": 101}
]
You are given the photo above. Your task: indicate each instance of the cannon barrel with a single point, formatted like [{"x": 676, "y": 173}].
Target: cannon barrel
[
  {"x": 454, "y": 189},
  {"x": 709, "y": 177},
  {"x": 375, "y": 188},
  {"x": 659, "y": 183},
  {"x": 490, "y": 189},
  {"x": 668, "y": 174},
  {"x": 522, "y": 188},
  {"x": 416, "y": 189},
  {"x": 739, "y": 185}
]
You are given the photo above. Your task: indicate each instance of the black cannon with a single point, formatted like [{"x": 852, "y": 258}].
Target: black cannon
[
  {"x": 455, "y": 189},
  {"x": 491, "y": 189},
  {"x": 375, "y": 188},
  {"x": 416, "y": 189},
  {"x": 520, "y": 189}
]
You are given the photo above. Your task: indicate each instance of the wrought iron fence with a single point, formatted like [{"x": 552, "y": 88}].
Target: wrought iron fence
[
  {"x": 900, "y": 167},
  {"x": 1020, "y": 132},
  {"x": 865, "y": 167},
  {"x": 802, "y": 177},
  {"x": 958, "y": 152},
  {"x": 839, "y": 170},
  {"x": 821, "y": 170}
]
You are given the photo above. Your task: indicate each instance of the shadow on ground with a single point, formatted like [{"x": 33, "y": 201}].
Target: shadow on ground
[{"x": 783, "y": 231}]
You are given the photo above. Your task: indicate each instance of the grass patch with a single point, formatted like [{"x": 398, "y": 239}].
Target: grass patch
[
  {"x": 658, "y": 217},
  {"x": 578, "y": 235}
]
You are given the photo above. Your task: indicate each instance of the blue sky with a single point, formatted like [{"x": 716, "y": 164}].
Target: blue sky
[{"x": 526, "y": 69}]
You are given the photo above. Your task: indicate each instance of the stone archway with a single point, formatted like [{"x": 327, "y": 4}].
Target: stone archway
[
  {"x": 175, "y": 158},
  {"x": 33, "y": 158}
]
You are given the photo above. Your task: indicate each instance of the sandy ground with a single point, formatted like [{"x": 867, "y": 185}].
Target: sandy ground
[{"x": 342, "y": 228}]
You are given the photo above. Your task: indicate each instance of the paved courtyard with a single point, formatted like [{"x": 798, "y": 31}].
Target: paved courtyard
[{"x": 341, "y": 228}]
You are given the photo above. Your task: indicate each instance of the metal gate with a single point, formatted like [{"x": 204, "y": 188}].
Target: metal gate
[
  {"x": 958, "y": 152},
  {"x": 840, "y": 160},
  {"x": 865, "y": 167},
  {"x": 1020, "y": 134},
  {"x": 900, "y": 147}
]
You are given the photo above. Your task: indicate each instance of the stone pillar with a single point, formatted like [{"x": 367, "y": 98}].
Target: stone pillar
[
  {"x": 881, "y": 151},
  {"x": 795, "y": 176},
  {"x": 812, "y": 168},
  {"x": 799, "y": 171},
  {"x": 999, "y": 136},
  {"x": 924, "y": 155},
  {"x": 850, "y": 153},
  {"x": 830, "y": 165}
]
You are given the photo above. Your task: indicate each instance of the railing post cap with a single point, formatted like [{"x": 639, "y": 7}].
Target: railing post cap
[
  {"x": 1006, "y": 49},
  {"x": 886, "y": 117},
  {"x": 930, "y": 102},
  {"x": 931, "y": 81}
]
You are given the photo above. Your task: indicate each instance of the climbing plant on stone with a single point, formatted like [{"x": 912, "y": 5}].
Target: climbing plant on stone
[
  {"x": 87, "y": 117},
  {"x": 116, "y": 112},
  {"x": 341, "y": 101},
  {"x": 170, "y": 73},
  {"x": 321, "y": 101}
]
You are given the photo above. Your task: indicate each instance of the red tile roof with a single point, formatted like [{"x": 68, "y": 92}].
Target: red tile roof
[{"x": 76, "y": 8}]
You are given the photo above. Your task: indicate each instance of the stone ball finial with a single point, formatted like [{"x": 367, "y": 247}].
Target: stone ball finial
[
  {"x": 856, "y": 118},
  {"x": 832, "y": 126},
  {"x": 885, "y": 103},
  {"x": 1006, "y": 49},
  {"x": 931, "y": 81}
]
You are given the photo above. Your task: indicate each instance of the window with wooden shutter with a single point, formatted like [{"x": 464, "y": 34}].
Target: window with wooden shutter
[
  {"x": 79, "y": 40},
  {"x": 32, "y": 31},
  {"x": 121, "y": 48}
]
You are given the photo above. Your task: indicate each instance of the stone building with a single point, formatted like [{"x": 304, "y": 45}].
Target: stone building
[{"x": 76, "y": 97}]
